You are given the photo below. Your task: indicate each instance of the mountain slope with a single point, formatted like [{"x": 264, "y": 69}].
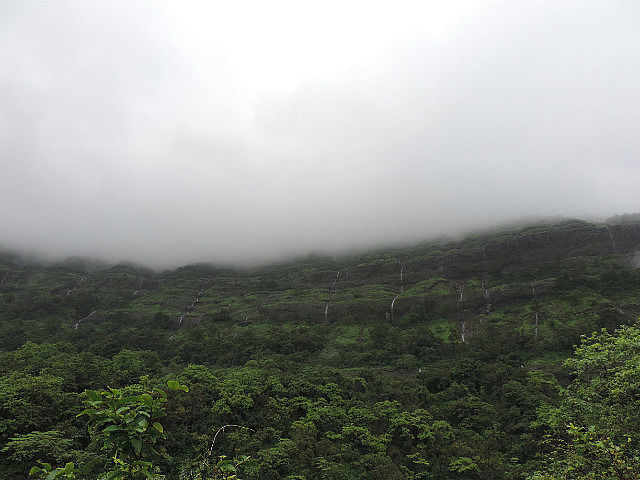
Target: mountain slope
[{"x": 422, "y": 362}]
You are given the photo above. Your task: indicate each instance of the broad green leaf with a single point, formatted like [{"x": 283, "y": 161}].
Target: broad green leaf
[
  {"x": 88, "y": 411},
  {"x": 93, "y": 395},
  {"x": 115, "y": 473},
  {"x": 172, "y": 384},
  {"x": 136, "y": 443}
]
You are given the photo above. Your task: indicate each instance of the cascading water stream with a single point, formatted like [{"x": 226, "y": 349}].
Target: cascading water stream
[
  {"x": 392, "y": 303},
  {"x": 613, "y": 242},
  {"x": 75, "y": 325},
  {"x": 401, "y": 288},
  {"x": 244, "y": 324},
  {"x": 191, "y": 307},
  {"x": 139, "y": 286},
  {"x": 535, "y": 331},
  {"x": 463, "y": 328},
  {"x": 75, "y": 287},
  {"x": 332, "y": 290},
  {"x": 4, "y": 278}
]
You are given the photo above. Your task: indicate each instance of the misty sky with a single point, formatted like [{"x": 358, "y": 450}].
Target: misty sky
[{"x": 172, "y": 132}]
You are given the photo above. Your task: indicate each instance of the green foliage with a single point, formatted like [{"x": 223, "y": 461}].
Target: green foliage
[
  {"x": 127, "y": 426},
  {"x": 48, "y": 445},
  {"x": 222, "y": 468},
  {"x": 352, "y": 394},
  {"x": 595, "y": 428},
  {"x": 46, "y": 472}
]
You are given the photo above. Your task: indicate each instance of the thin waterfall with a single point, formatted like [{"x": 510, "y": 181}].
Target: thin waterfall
[
  {"x": 4, "y": 278},
  {"x": 401, "y": 288},
  {"x": 392, "y": 303},
  {"x": 246, "y": 320},
  {"x": 75, "y": 287},
  {"x": 332, "y": 290},
  {"x": 140, "y": 283},
  {"x": 191, "y": 307},
  {"x": 613, "y": 242},
  {"x": 75, "y": 325},
  {"x": 463, "y": 325}
]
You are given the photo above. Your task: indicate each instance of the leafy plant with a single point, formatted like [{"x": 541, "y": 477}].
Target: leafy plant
[
  {"x": 46, "y": 472},
  {"x": 218, "y": 468},
  {"x": 594, "y": 429},
  {"x": 128, "y": 429}
]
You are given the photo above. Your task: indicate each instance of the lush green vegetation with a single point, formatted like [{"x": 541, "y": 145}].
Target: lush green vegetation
[{"x": 442, "y": 361}]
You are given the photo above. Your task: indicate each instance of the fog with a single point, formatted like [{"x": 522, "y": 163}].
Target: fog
[{"x": 171, "y": 132}]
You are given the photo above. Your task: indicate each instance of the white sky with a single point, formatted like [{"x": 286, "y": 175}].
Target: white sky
[{"x": 169, "y": 132}]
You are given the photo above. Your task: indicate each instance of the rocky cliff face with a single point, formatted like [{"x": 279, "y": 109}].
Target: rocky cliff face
[
  {"x": 464, "y": 277},
  {"x": 458, "y": 281}
]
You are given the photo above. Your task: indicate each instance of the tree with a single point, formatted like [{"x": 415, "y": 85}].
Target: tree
[
  {"x": 593, "y": 432},
  {"x": 127, "y": 428}
]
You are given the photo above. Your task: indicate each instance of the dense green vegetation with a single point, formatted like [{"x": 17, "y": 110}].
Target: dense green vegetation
[{"x": 442, "y": 361}]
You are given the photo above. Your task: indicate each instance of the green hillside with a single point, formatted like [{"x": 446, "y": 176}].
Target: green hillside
[{"x": 433, "y": 361}]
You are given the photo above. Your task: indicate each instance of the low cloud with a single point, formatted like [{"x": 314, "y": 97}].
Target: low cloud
[{"x": 168, "y": 133}]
